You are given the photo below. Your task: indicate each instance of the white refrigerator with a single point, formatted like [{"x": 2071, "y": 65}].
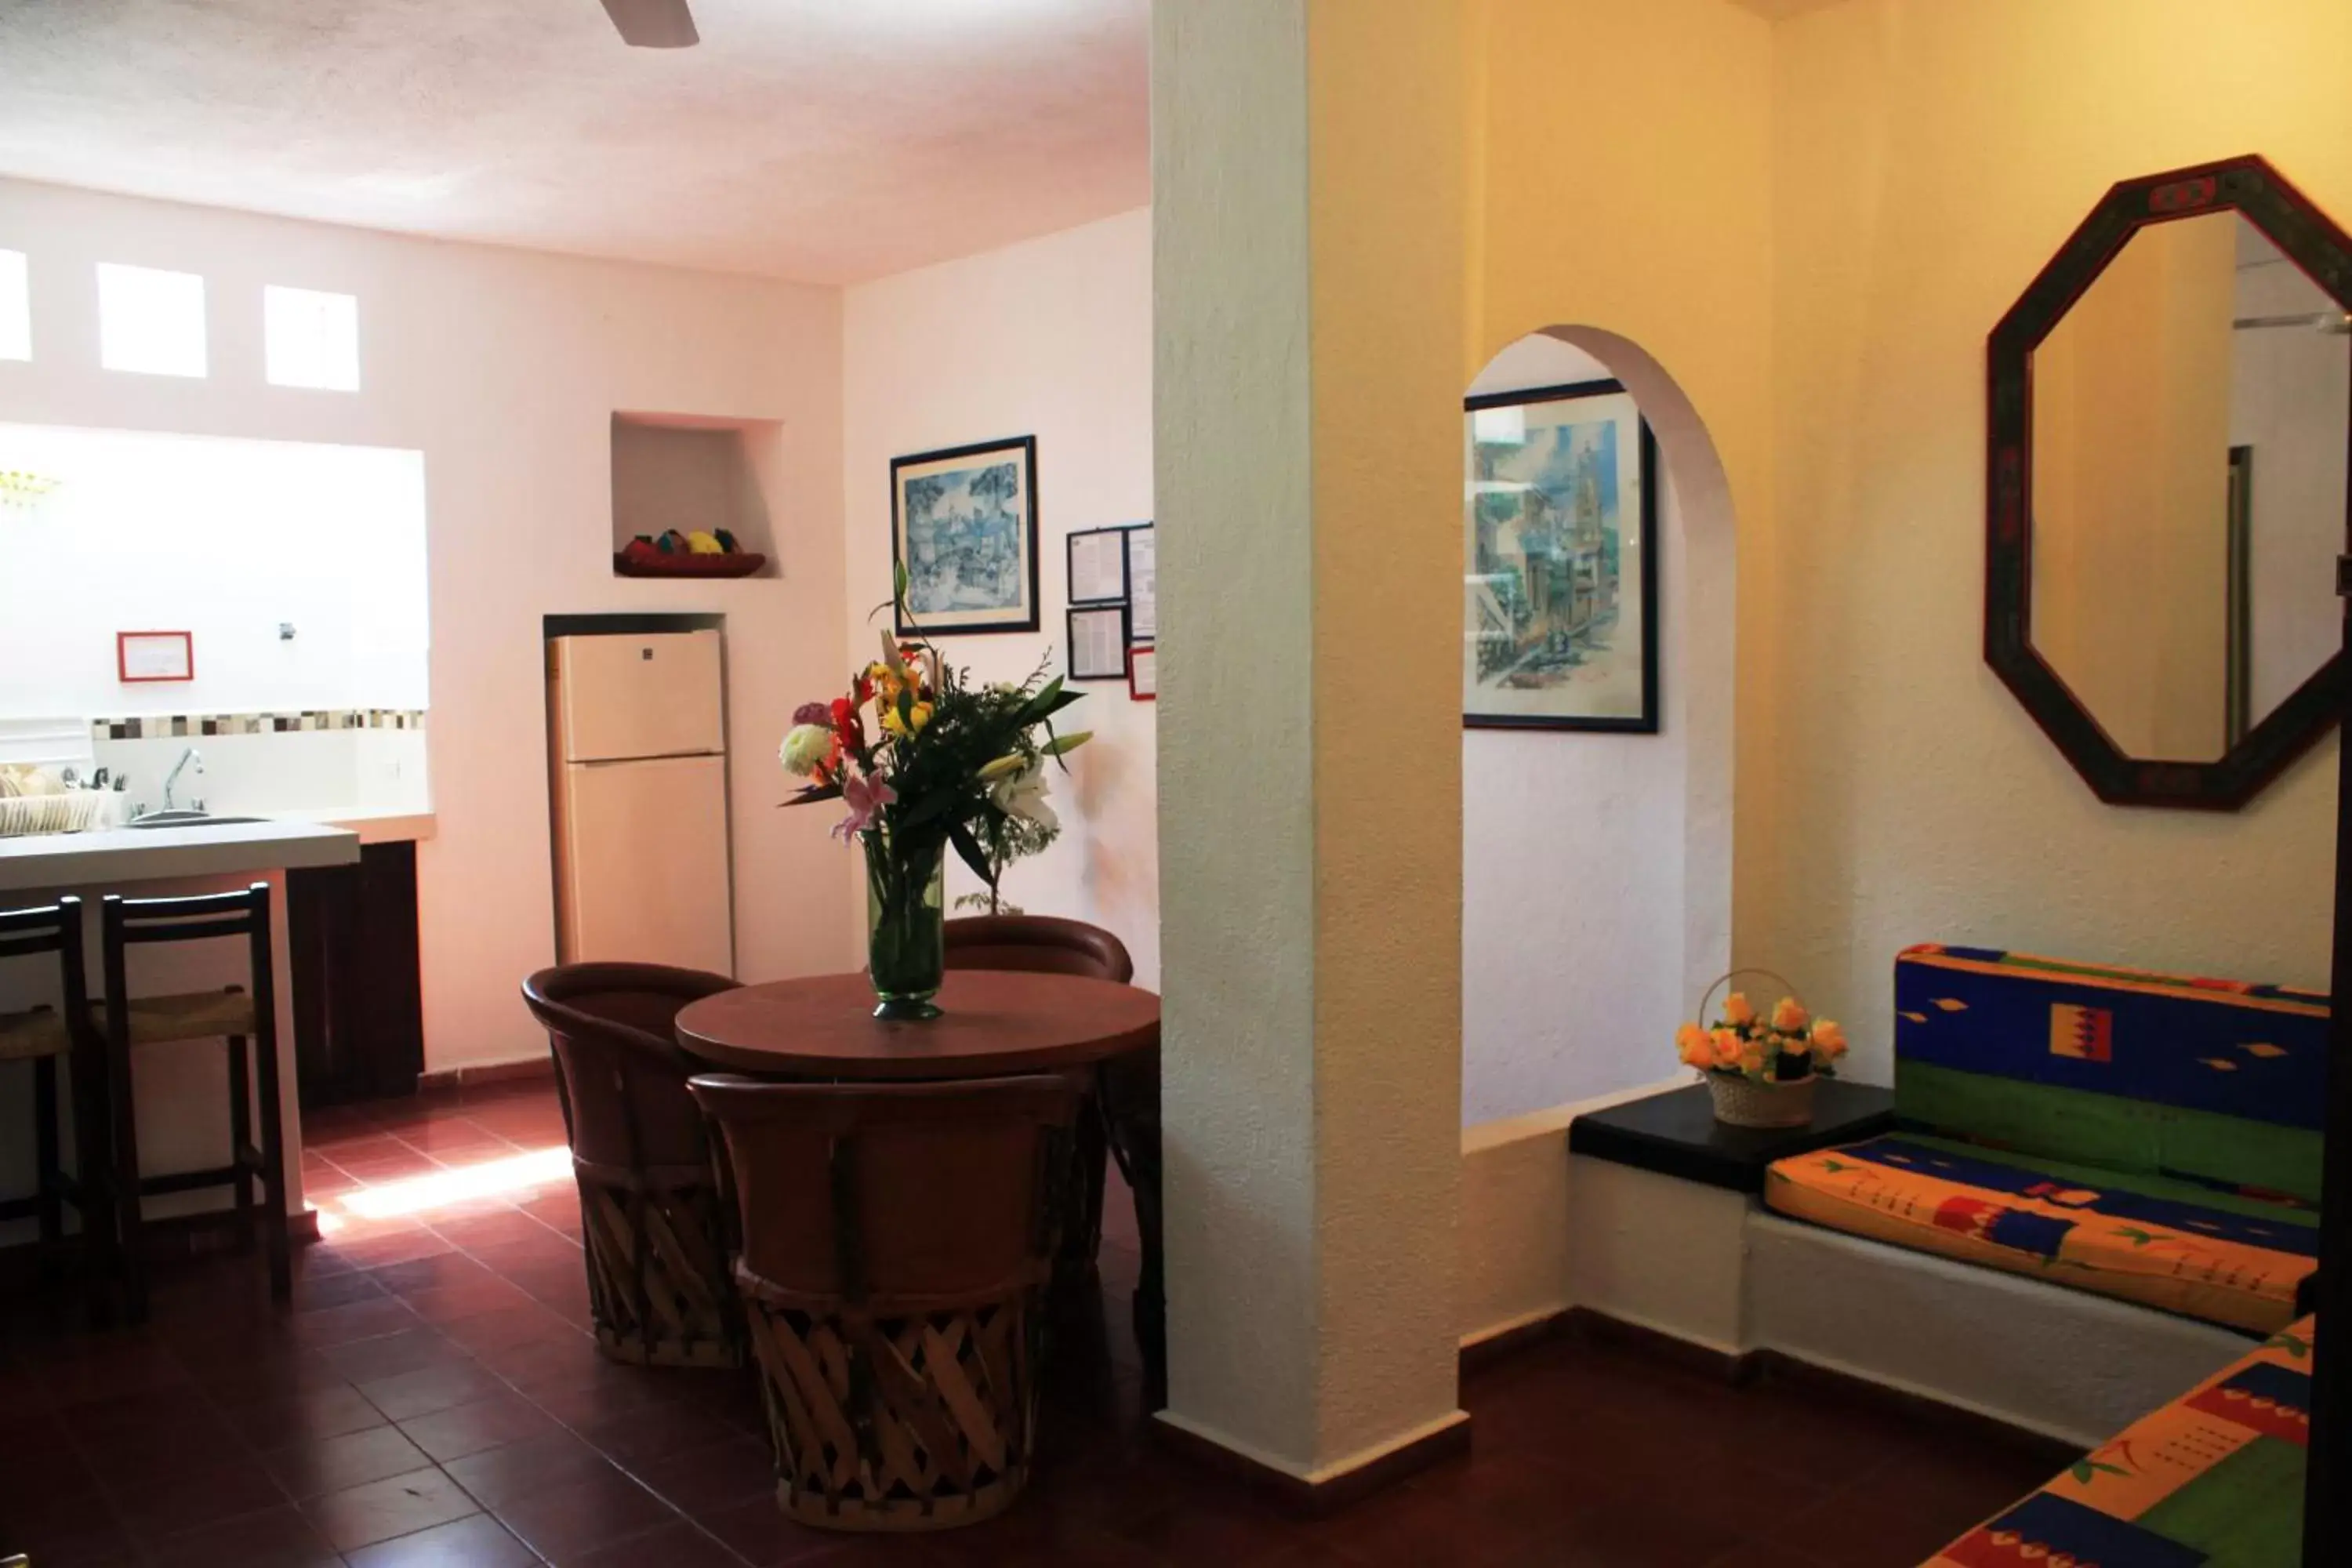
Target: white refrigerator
[{"x": 638, "y": 735}]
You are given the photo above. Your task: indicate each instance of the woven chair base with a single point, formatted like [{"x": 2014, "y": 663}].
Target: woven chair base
[
  {"x": 708, "y": 1355},
  {"x": 682, "y": 1311},
  {"x": 909, "y": 1423},
  {"x": 900, "y": 1517}
]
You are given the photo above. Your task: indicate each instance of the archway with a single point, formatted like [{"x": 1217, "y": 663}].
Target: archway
[{"x": 1596, "y": 867}]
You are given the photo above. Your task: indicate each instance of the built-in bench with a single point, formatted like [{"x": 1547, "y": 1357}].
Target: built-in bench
[
  {"x": 1668, "y": 1230},
  {"x": 2150, "y": 1137},
  {"x": 2087, "y": 1190},
  {"x": 2214, "y": 1477}
]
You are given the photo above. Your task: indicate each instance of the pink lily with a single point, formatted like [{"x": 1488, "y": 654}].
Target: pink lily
[{"x": 866, "y": 797}]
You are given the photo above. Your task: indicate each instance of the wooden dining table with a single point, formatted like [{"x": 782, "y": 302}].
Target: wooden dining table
[{"x": 993, "y": 1022}]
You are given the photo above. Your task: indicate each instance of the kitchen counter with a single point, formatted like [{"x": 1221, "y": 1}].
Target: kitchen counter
[
  {"x": 391, "y": 825},
  {"x": 123, "y": 854}
]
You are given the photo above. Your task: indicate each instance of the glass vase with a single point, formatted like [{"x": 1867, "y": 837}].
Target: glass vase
[{"x": 906, "y": 927}]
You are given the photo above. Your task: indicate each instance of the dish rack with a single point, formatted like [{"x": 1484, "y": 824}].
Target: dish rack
[{"x": 75, "y": 811}]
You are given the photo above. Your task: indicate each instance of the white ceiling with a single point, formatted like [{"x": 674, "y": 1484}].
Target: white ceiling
[{"x": 828, "y": 141}]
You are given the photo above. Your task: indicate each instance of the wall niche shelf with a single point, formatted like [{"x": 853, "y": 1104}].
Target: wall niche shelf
[{"x": 696, "y": 473}]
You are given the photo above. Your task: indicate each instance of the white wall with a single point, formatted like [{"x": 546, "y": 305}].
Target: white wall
[
  {"x": 1578, "y": 955},
  {"x": 1051, "y": 337},
  {"x": 224, "y": 540},
  {"x": 503, "y": 368}
]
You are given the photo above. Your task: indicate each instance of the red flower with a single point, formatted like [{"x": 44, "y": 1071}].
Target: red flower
[{"x": 846, "y": 723}]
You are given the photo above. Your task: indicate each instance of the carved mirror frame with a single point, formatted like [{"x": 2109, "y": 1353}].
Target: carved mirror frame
[{"x": 2245, "y": 185}]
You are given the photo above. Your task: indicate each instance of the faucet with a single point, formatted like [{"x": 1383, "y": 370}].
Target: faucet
[{"x": 190, "y": 755}]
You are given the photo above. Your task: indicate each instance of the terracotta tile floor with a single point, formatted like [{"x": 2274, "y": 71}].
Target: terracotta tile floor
[{"x": 433, "y": 1397}]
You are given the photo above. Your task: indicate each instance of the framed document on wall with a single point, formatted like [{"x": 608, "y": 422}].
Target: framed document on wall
[
  {"x": 142, "y": 656},
  {"x": 1098, "y": 564},
  {"x": 1098, "y": 642}
]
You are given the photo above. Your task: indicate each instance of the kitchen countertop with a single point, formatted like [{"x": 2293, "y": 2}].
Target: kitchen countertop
[
  {"x": 374, "y": 826},
  {"x": 156, "y": 854}
]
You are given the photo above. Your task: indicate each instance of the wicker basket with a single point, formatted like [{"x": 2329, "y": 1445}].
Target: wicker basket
[
  {"x": 74, "y": 811},
  {"x": 1744, "y": 1102}
]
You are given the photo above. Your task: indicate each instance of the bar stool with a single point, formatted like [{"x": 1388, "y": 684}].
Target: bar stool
[
  {"x": 45, "y": 1036},
  {"x": 233, "y": 1014}
]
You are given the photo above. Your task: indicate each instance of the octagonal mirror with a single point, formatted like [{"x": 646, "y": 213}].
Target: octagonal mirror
[{"x": 2171, "y": 423}]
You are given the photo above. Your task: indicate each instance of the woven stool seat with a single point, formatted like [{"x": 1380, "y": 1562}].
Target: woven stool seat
[
  {"x": 25, "y": 1036},
  {"x": 188, "y": 1016}
]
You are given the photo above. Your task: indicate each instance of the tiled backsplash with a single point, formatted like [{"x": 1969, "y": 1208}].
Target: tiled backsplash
[
  {"x": 166, "y": 726},
  {"x": 256, "y": 768}
]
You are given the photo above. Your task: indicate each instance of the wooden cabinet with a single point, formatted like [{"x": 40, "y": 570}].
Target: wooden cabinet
[{"x": 359, "y": 1022}]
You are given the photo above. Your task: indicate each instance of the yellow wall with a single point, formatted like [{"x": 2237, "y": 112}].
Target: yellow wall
[
  {"x": 1928, "y": 159},
  {"x": 2131, "y": 487},
  {"x": 1812, "y": 225}
]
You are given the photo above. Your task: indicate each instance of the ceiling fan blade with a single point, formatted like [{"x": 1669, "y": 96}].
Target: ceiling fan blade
[{"x": 653, "y": 24}]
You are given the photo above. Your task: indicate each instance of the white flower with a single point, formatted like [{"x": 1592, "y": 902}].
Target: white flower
[
  {"x": 1023, "y": 794},
  {"x": 805, "y": 748}
]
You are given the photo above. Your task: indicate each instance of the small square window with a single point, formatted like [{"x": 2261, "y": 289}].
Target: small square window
[
  {"x": 312, "y": 339},
  {"x": 150, "y": 321},
  {"x": 15, "y": 308}
]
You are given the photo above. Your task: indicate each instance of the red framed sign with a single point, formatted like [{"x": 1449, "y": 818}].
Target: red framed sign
[
  {"x": 1143, "y": 672},
  {"x": 145, "y": 656}
]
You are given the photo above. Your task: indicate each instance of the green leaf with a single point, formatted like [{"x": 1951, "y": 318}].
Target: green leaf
[
  {"x": 1048, "y": 699},
  {"x": 2136, "y": 1237},
  {"x": 973, "y": 855},
  {"x": 927, "y": 809}
]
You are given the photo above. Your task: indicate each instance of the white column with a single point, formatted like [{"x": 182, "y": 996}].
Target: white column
[{"x": 1309, "y": 183}]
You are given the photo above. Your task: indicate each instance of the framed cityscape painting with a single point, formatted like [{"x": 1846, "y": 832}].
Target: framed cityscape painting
[
  {"x": 964, "y": 527},
  {"x": 1559, "y": 570}
]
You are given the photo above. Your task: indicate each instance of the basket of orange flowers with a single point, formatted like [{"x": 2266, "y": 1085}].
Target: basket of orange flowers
[{"x": 1761, "y": 1066}]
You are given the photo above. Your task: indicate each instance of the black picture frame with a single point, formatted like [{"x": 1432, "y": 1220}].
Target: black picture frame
[
  {"x": 1134, "y": 600},
  {"x": 2250, "y": 188},
  {"x": 1019, "y": 452},
  {"x": 1644, "y": 721},
  {"x": 1069, "y": 566},
  {"x": 1117, "y": 671}
]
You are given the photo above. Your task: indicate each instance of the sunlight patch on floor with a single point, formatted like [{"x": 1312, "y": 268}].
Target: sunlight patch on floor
[{"x": 513, "y": 1177}]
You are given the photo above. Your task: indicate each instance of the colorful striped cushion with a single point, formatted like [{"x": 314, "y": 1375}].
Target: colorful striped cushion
[
  {"x": 2216, "y": 1477},
  {"x": 2170, "y": 1243},
  {"x": 2211, "y": 1081}
]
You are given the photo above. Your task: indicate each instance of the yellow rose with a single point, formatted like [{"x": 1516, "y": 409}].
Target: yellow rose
[
  {"x": 1727, "y": 1046},
  {"x": 1829, "y": 1039},
  {"x": 1692, "y": 1044},
  {"x": 1735, "y": 1009},
  {"x": 918, "y": 715},
  {"x": 1751, "y": 1059},
  {"x": 1789, "y": 1015}
]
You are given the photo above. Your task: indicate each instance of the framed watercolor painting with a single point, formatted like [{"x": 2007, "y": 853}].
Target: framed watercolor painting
[
  {"x": 1559, "y": 560},
  {"x": 964, "y": 527}
]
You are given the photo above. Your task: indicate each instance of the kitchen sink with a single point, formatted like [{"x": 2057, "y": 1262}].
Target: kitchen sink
[{"x": 189, "y": 819}]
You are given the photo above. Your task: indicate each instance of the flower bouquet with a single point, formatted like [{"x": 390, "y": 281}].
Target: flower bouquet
[
  {"x": 947, "y": 762},
  {"x": 1761, "y": 1069}
]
